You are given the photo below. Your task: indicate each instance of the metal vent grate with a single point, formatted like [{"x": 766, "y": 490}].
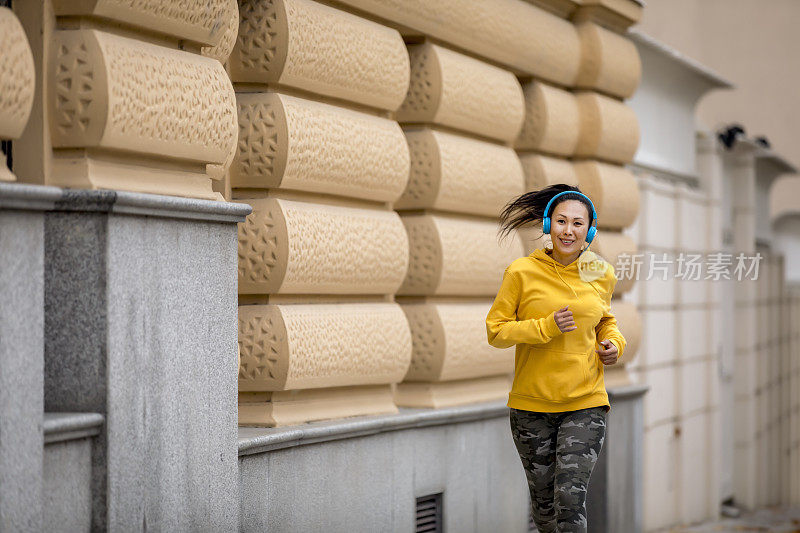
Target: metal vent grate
[{"x": 429, "y": 514}]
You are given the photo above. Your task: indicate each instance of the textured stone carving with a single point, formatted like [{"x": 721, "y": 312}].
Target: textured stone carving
[
  {"x": 17, "y": 78},
  {"x": 455, "y": 256},
  {"x": 609, "y": 62},
  {"x": 223, "y": 49},
  {"x": 321, "y": 345},
  {"x": 298, "y": 144},
  {"x": 202, "y": 21},
  {"x": 310, "y": 46},
  {"x": 609, "y": 129},
  {"x": 613, "y": 191},
  {"x": 517, "y": 34},
  {"x": 552, "y": 120},
  {"x": 454, "y": 173},
  {"x": 454, "y": 90},
  {"x": 118, "y": 93},
  {"x": 541, "y": 171},
  {"x": 609, "y": 245},
  {"x": 449, "y": 343},
  {"x": 293, "y": 247}
]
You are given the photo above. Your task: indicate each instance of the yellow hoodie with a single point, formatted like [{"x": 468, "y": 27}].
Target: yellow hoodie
[{"x": 555, "y": 371}]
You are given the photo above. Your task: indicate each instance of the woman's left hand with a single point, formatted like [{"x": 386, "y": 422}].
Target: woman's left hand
[{"x": 609, "y": 354}]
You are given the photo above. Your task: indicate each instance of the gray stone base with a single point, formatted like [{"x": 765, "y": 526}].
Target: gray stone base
[{"x": 365, "y": 474}]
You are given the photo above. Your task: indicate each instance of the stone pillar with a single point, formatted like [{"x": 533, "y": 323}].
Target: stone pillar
[
  {"x": 741, "y": 194},
  {"x": 140, "y": 326},
  {"x": 21, "y": 298},
  {"x": 21, "y": 353}
]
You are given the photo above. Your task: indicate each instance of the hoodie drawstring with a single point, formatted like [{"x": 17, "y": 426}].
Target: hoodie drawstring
[{"x": 564, "y": 282}]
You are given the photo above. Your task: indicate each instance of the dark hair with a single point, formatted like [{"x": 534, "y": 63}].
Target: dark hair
[{"x": 529, "y": 207}]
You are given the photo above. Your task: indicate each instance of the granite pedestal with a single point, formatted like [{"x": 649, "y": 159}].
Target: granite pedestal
[
  {"x": 22, "y": 215},
  {"x": 140, "y": 327}
]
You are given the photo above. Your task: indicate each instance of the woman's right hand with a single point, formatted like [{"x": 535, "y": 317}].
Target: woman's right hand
[{"x": 564, "y": 319}]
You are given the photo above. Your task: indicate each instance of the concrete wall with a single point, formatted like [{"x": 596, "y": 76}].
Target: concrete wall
[{"x": 749, "y": 42}]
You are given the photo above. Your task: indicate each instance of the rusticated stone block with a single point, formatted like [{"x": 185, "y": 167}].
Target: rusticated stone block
[
  {"x": 303, "y": 44},
  {"x": 541, "y": 171},
  {"x": 517, "y": 34},
  {"x": 121, "y": 94},
  {"x": 630, "y": 325},
  {"x": 613, "y": 191},
  {"x": 449, "y": 341},
  {"x": 610, "y": 245},
  {"x": 201, "y": 21},
  {"x": 456, "y": 256},
  {"x": 458, "y": 91},
  {"x": 454, "y": 173},
  {"x": 552, "y": 120},
  {"x": 609, "y": 62},
  {"x": 284, "y": 347},
  {"x": 292, "y": 143},
  {"x": 17, "y": 80},
  {"x": 609, "y": 129},
  {"x": 288, "y": 408},
  {"x": 224, "y": 47},
  {"x": 147, "y": 118},
  {"x": 17, "y": 77},
  {"x": 293, "y": 247},
  {"x": 451, "y": 393}
]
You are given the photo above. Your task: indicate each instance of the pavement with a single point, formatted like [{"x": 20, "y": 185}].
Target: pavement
[{"x": 785, "y": 519}]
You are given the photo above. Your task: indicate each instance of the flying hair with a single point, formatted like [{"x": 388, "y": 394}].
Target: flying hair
[{"x": 528, "y": 209}]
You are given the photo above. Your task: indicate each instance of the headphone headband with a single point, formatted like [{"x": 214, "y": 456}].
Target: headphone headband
[{"x": 547, "y": 208}]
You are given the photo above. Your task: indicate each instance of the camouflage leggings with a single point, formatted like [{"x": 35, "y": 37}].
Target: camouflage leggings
[{"x": 558, "y": 452}]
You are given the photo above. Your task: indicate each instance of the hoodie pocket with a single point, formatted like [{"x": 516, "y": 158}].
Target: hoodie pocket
[{"x": 554, "y": 375}]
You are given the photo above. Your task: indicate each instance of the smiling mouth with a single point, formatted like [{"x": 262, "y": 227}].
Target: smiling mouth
[{"x": 566, "y": 243}]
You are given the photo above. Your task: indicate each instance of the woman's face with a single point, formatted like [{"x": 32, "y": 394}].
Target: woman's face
[{"x": 569, "y": 225}]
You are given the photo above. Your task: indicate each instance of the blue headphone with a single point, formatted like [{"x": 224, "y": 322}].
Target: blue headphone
[{"x": 546, "y": 220}]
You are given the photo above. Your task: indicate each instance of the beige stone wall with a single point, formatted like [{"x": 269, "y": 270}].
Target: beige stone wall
[{"x": 442, "y": 111}]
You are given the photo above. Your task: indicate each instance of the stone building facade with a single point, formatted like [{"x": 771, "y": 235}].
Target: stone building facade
[{"x": 371, "y": 145}]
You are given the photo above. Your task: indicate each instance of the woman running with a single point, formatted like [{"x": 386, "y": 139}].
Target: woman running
[{"x": 554, "y": 306}]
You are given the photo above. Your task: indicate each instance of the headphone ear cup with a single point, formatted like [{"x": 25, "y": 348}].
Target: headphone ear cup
[
  {"x": 590, "y": 234},
  {"x": 546, "y": 225}
]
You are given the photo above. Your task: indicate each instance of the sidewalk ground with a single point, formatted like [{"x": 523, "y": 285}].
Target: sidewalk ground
[{"x": 785, "y": 519}]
